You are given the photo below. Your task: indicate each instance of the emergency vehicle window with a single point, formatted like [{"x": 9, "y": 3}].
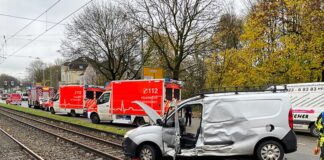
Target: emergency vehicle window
[
  {"x": 106, "y": 98},
  {"x": 98, "y": 94},
  {"x": 89, "y": 95},
  {"x": 177, "y": 94},
  {"x": 56, "y": 97},
  {"x": 168, "y": 94}
]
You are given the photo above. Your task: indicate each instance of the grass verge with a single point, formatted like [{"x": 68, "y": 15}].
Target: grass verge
[{"x": 65, "y": 119}]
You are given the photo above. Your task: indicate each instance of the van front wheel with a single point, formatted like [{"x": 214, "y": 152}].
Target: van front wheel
[
  {"x": 94, "y": 118},
  {"x": 52, "y": 110},
  {"x": 148, "y": 152},
  {"x": 270, "y": 150}
]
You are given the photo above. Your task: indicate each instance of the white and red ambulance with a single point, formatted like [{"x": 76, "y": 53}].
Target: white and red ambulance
[
  {"x": 72, "y": 99},
  {"x": 116, "y": 104},
  {"x": 14, "y": 98}
]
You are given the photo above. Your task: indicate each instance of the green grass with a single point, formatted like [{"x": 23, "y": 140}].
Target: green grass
[{"x": 65, "y": 119}]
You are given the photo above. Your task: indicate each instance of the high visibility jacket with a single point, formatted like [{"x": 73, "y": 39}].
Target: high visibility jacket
[{"x": 320, "y": 128}]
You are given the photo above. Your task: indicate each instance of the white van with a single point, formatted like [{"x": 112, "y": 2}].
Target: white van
[
  {"x": 226, "y": 124},
  {"x": 307, "y": 100}
]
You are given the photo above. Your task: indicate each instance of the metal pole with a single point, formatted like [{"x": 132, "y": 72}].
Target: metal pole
[
  {"x": 44, "y": 76},
  {"x": 50, "y": 69}
]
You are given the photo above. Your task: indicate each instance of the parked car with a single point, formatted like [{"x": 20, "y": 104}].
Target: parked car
[
  {"x": 14, "y": 98},
  {"x": 24, "y": 97},
  {"x": 227, "y": 124}
]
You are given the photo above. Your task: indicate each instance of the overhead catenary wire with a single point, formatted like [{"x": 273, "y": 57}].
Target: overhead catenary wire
[
  {"x": 33, "y": 20},
  {"x": 15, "y": 52},
  {"x": 49, "y": 8},
  {"x": 24, "y": 18}
]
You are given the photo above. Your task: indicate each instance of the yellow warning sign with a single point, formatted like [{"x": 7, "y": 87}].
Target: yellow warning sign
[{"x": 152, "y": 73}]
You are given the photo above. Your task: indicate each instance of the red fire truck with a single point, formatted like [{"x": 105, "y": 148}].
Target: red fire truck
[
  {"x": 72, "y": 99},
  {"x": 37, "y": 93},
  {"x": 116, "y": 105}
]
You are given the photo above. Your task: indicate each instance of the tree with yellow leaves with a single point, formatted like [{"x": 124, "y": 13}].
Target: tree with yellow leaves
[{"x": 282, "y": 42}]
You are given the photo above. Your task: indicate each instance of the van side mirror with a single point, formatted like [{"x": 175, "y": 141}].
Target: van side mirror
[
  {"x": 159, "y": 122},
  {"x": 99, "y": 101}
]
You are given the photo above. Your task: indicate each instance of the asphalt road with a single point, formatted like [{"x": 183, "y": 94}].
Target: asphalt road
[{"x": 306, "y": 144}]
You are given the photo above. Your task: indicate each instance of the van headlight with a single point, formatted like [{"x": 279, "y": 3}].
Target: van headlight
[{"x": 128, "y": 133}]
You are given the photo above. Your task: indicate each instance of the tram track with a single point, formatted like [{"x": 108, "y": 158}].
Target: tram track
[
  {"x": 20, "y": 150},
  {"x": 100, "y": 147}
]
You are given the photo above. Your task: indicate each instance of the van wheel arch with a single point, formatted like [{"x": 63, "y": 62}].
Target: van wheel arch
[
  {"x": 269, "y": 139},
  {"x": 152, "y": 144}
]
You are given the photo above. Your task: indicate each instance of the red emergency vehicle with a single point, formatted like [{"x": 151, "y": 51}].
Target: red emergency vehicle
[
  {"x": 39, "y": 93},
  {"x": 14, "y": 98},
  {"x": 72, "y": 99},
  {"x": 116, "y": 105},
  {"x": 46, "y": 103}
]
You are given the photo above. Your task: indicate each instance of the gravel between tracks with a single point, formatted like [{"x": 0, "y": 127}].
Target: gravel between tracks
[
  {"x": 102, "y": 135},
  {"x": 88, "y": 141},
  {"x": 44, "y": 144},
  {"x": 10, "y": 150}
]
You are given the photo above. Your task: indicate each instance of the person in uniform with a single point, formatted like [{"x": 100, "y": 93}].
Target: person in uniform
[{"x": 320, "y": 128}]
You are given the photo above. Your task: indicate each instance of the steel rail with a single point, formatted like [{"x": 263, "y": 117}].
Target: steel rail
[
  {"x": 32, "y": 153},
  {"x": 100, "y": 153},
  {"x": 68, "y": 130},
  {"x": 75, "y": 125}
]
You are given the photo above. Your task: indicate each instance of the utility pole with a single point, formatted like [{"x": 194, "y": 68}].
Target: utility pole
[
  {"x": 44, "y": 76},
  {"x": 50, "y": 70}
]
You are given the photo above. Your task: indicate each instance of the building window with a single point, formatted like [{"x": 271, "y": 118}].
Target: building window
[{"x": 81, "y": 66}]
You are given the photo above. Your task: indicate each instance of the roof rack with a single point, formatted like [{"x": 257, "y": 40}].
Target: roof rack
[{"x": 237, "y": 89}]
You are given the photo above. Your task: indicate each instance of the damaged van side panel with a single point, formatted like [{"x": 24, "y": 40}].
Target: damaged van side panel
[{"x": 232, "y": 126}]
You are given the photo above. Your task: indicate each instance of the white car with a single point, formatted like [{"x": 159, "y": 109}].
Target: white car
[
  {"x": 24, "y": 97},
  {"x": 227, "y": 124}
]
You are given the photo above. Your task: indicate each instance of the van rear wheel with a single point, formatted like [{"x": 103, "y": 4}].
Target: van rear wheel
[
  {"x": 148, "y": 152},
  {"x": 313, "y": 131},
  {"x": 270, "y": 150},
  {"x": 73, "y": 114},
  {"x": 139, "y": 121}
]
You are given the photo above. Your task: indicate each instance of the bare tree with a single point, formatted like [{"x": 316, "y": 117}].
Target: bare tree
[
  {"x": 175, "y": 27},
  {"x": 35, "y": 71},
  {"x": 104, "y": 36}
]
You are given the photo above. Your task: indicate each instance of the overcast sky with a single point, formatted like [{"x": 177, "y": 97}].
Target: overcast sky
[{"x": 47, "y": 45}]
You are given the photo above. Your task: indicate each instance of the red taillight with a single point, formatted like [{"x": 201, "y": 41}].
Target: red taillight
[{"x": 291, "y": 119}]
